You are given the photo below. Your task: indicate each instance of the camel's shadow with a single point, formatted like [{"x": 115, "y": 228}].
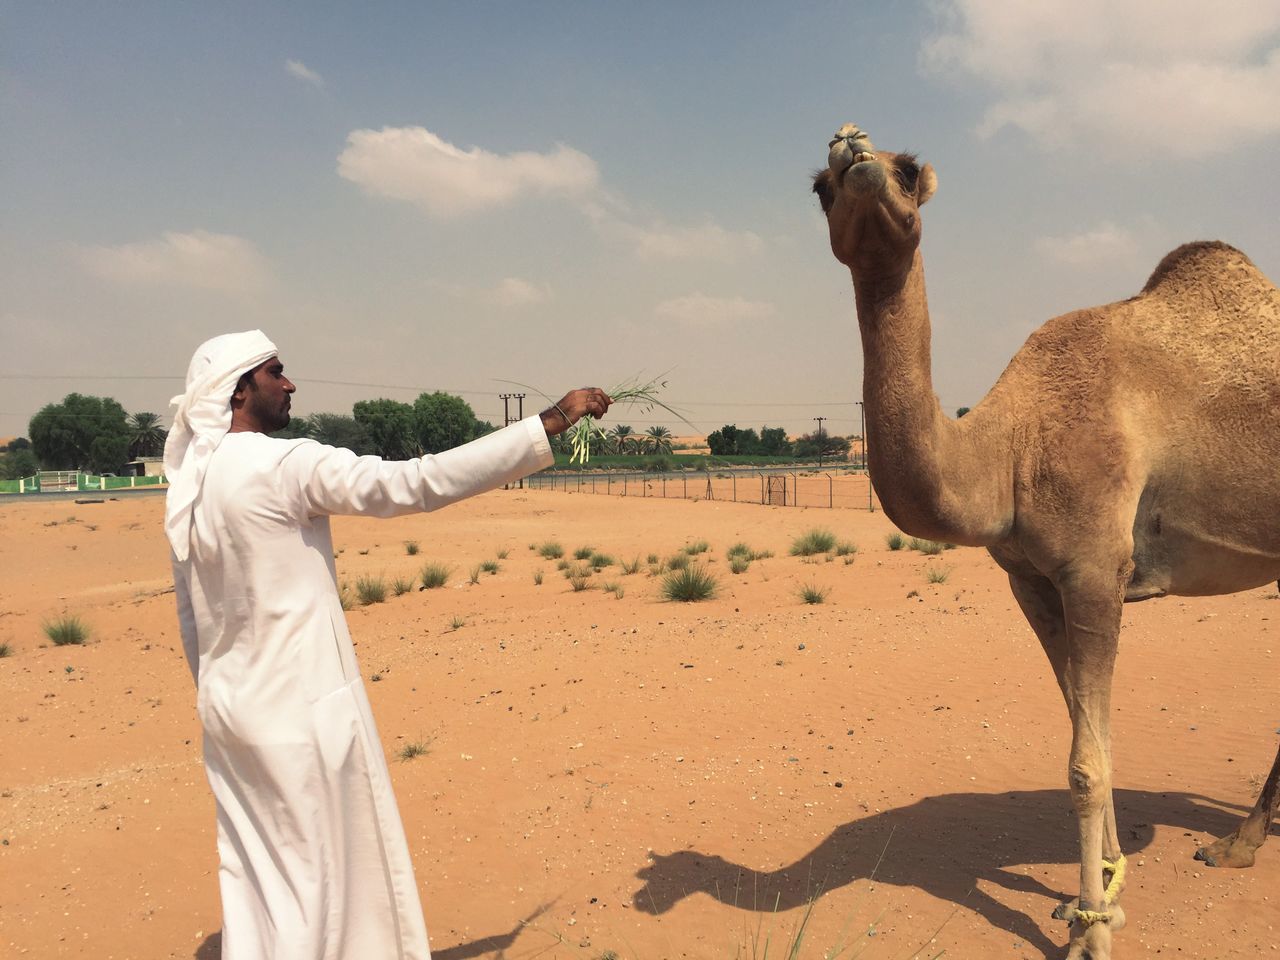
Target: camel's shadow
[{"x": 942, "y": 845}]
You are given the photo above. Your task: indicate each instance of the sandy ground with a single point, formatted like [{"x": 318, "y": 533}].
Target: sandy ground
[{"x": 656, "y": 780}]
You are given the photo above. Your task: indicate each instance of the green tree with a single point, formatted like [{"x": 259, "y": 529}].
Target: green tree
[
  {"x": 829, "y": 446},
  {"x": 389, "y": 425},
  {"x": 81, "y": 432},
  {"x": 622, "y": 439},
  {"x": 146, "y": 435},
  {"x": 723, "y": 442},
  {"x": 18, "y": 463},
  {"x": 298, "y": 428},
  {"x": 442, "y": 421},
  {"x": 774, "y": 442},
  {"x": 658, "y": 440},
  {"x": 340, "y": 430},
  {"x": 18, "y": 443},
  {"x": 961, "y": 412}
]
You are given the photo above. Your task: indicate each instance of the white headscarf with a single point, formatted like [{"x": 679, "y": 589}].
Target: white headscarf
[{"x": 201, "y": 421}]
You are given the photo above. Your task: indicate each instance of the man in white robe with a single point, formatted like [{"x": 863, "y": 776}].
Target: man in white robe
[{"x": 314, "y": 862}]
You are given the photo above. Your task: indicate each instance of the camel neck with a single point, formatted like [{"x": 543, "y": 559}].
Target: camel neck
[{"x": 935, "y": 477}]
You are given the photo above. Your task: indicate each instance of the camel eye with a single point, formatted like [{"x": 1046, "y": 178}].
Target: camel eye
[
  {"x": 822, "y": 187},
  {"x": 906, "y": 171}
]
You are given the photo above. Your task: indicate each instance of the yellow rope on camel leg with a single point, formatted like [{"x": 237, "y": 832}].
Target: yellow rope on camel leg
[
  {"x": 1087, "y": 918},
  {"x": 1117, "y": 878}
]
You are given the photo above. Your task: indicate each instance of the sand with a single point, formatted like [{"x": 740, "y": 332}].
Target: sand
[{"x": 627, "y": 775}]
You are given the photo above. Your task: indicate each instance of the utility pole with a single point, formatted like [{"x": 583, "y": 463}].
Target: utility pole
[
  {"x": 507, "y": 419},
  {"x": 862, "y": 416},
  {"x": 819, "y": 419},
  {"x": 862, "y": 428}
]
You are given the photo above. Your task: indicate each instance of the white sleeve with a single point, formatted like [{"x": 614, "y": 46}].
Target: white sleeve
[{"x": 317, "y": 480}]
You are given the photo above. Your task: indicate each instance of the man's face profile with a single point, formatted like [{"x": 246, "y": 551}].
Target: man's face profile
[{"x": 262, "y": 398}]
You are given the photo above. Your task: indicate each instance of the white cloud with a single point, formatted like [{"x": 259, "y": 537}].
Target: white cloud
[
  {"x": 1107, "y": 243},
  {"x": 1143, "y": 75},
  {"x": 514, "y": 292},
  {"x": 662, "y": 241},
  {"x": 296, "y": 68},
  {"x": 708, "y": 241},
  {"x": 415, "y": 165},
  {"x": 702, "y": 311},
  {"x": 208, "y": 261}
]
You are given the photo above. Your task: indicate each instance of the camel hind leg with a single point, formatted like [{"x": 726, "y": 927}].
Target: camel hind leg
[{"x": 1238, "y": 849}]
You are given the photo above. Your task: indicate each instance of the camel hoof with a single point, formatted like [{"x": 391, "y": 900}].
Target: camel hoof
[{"x": 1227, "y": 852}]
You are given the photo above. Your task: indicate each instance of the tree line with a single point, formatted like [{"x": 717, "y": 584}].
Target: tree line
[
  {"x": 96, "y": 435},
  {"x": 731, "y": 440}
]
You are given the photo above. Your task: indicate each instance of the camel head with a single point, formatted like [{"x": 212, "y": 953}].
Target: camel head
[{"x": 872, "y": 201}]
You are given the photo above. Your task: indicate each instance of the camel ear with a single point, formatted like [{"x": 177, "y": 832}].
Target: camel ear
[{"x": 927, "y": 185}]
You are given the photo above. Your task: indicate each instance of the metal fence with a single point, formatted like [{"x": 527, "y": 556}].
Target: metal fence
[{"x": 848, "y": 489}]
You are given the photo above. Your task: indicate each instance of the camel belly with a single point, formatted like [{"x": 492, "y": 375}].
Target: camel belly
[{"x": 1174, "y": 560}]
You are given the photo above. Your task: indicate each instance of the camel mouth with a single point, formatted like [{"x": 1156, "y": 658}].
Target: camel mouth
[{"x": 863, "y": 156}]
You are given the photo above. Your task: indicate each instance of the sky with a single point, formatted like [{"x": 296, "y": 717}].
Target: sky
[{"x": 455, "y": 196}]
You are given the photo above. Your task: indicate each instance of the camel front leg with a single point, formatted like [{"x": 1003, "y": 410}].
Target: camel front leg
[
  {"x": 1042, "y": 606},
  {"x": 1237, "y": 849},
  {"x": 1091, "y": 603}
]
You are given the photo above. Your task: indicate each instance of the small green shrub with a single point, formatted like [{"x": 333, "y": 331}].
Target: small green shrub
[
  {"x": 678, "y": 561},
  {"x": 615, "y": 588},
  {"x": 929, "y": 548},
  {"x": 435, "y": 575},
  {"x": 66, "y": 630},
  {"x": 371, "y": 590},
  {"x": 475, "y": 574},
  {"x": 344, "y": 596},
  {"x": 409, "y": 751},
  {"x": 502, "y": 554},
  {"x": 583, "y": 553},
  {"x": 813, "y": 542},
  {"x": 457, "y": 623},
  {"x": 651, "y": 558},
  {"x": 739, "y": 550},
  {"x": 537, "y": 578},
  {"x": 739, "y": 564},
  {"x": 551, "y": 550},
  {"x": 490, "y": 566},
  {"x": 579, "y": 580},
  {"x": 693, "y": 549},
  {"x": 812, "y": 593},
  {"x": 895, "y": 541},
  {"x": 632, "y": 566},
  {"x": 562, "y": 564},
  {"x": 937, "y": 574},
  {"x": 601, "y": 560},
  {"x": 846, "y": 549},
  {"x": 689, "y": 584},
  {"x": 5, "y": 651},
  {"x": 401, "y": 585},
  {"x": 411, "y": 547}
]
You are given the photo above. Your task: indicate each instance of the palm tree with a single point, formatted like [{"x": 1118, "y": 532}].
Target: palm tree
[
  {"x": 622, "y": 438},
  {"x": 658, "y": 440},
  {"x": 146, "y": 436}
]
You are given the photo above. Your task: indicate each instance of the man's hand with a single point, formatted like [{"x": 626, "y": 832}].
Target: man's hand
[{"x": 572, "y": 407}]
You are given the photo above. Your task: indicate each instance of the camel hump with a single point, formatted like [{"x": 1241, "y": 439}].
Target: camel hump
[{"x": 1193, "y": 262}]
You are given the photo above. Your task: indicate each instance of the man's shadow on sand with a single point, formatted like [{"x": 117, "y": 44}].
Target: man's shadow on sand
[{"x": 942, "y": 845}]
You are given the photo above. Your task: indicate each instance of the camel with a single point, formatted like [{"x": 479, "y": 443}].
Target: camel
[{"x": 1128, "y": 451}]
